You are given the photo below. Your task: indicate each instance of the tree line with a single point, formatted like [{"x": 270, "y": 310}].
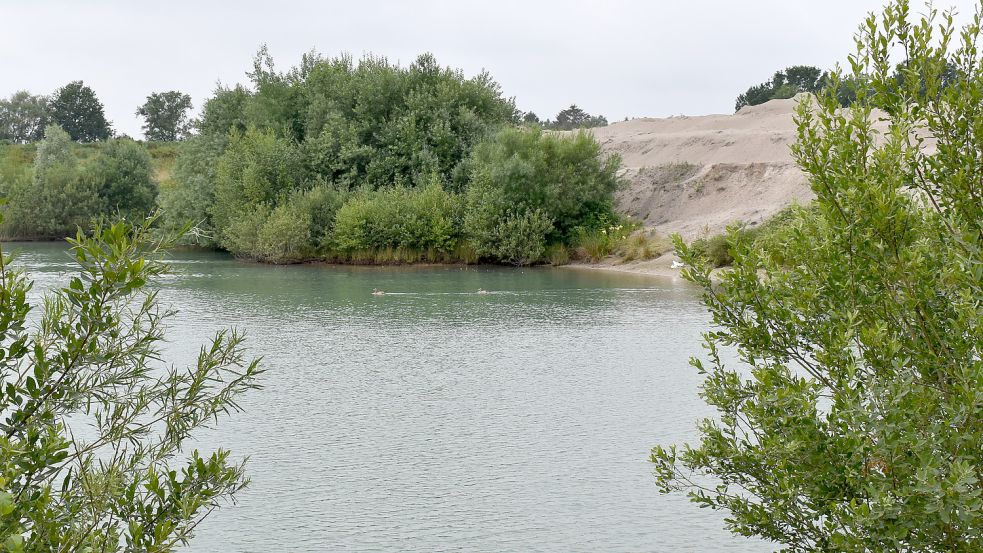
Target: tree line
[
  {"x": 77, "y": 110},
  {"x": 335, "y": 159}
]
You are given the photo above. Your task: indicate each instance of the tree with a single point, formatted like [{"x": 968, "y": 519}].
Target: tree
[
  {"x": 124, "y": 484},
  {"x": 55, "y": 201},
  {"x": 575, "y": 118},
  {"x": 75, "y": 108},
  {"x": 23, "y": 117},
  {"x": 784, "y": 84},
  {"x": 565, "y": 180},
  {"x": 853, "y": 423},
  {"x": 165, "y": 116},
  {"x": 122, "y": 175},
  {"x": 530, "y": 118}
]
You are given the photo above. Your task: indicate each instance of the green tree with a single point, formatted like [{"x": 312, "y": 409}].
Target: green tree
[
  {"x": 55, "y": 200},
  {"x": 122, "y": 175},
  {"x": 784, "y": 84},
  {"x": 575, "y": 118},
  {"x": 225, "y": 111},
  {"x": 853, "y": 421},
  {"x": 76, "y": 109},
  {"x": 165, "y": 116},
  {"x": 23, "y": 117},
  {"x": 125, "y": 483},
  {"x": 568, "y": 178}
]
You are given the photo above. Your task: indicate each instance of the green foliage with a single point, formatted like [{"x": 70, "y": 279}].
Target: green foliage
[
  {"x": 642, "y": 245},
  {"x": 716, "y": 249},
  {"x": 224, "y": 112},
  {"x": 55, "y": 200},
  {"x": 165, "y": 116},
  {"x": 784, "y": 84},
  {"x": 854, "y": 423},
  {"x": 572, "y": 118},
  {"x": 557, "y": 254},
  {"x": 594, "y": 243},
  {"x": 122, "y": 176},
  {"x": 76, "y": 109},
  {"x": 567, "y": 177},
  {"x": 90, "y": 362},
  {"x": 188, "y": 199},
  {"x": 23, "y": 117},
  {"x": 256, "y": 169},
  {"x": 398, "y": 218},
  {"x": 520, "y": 237},
  {"x": 70, "y": 185}
]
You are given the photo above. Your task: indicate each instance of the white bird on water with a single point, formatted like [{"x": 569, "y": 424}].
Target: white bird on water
[
  {"x": 377, "y": 292},
  {"x": 482, "y": 291},
  {"x": 677, "y": 264}
]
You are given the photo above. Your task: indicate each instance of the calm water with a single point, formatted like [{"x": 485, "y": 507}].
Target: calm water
[{"x": 436, "y": 419}]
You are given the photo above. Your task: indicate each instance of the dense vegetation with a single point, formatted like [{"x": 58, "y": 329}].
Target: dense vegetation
[
  {"x": 95, "y": 428},
  {"x": 372, "y": 162},
  {"x": 853, "y": 423},
  {"x": 336, "y": 159},
  {"x": 59, "y": 192}
]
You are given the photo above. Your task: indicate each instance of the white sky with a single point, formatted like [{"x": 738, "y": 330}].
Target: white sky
[{"x": 617, "y": 58}]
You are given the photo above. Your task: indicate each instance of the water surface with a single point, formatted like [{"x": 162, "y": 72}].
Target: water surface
[{"x": 437, "y": 419}]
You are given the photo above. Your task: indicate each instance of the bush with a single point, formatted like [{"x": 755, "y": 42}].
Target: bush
[
  {"x": 557, "y": 254},
  {"x": 122, "y": 175},
  {"x": 567, "y": 177},
  {"x": 88, "y": 357},
  {"x": 398, "y": 218},
  {"x": 642, "y": 245},
  {"x": 845, "y": 410},
  {"x": 286, "y": 235},
  {"x": 55, "y": 201},
  {"x": 256, "y": 169},
  {"x": 520, "y": 238},
  {"x": 715, "y": 249},
  {"x": 189, "y": 197}
]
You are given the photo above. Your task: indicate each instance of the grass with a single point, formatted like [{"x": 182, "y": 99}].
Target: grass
[
  {"x": 643, "y": 245},
  {"x": 557, "y": 254},
  {"x": 463, "y": 253}
]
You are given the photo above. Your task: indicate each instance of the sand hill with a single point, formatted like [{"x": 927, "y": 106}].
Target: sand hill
[{"x": 698, "y": 174}]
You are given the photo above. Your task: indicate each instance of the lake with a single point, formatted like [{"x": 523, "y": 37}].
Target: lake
[{"x": 434, "y": 418}]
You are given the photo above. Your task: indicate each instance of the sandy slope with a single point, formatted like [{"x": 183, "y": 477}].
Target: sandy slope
[{"x": 696, "y": 175}]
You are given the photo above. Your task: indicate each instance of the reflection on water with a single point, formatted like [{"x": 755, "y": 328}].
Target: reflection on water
[{"x": 434, "y": 418}]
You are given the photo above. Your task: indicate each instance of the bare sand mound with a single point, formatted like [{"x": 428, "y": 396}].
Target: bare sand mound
[{"x": 696, "y": 175}]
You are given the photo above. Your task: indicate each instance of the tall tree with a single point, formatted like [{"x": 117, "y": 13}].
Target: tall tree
[
  {"x": 165, "y": 116},
  {"x": 23, "y": 117},
  {"x": 77, "y": 110},
  {"x": 852, "y": 422}
]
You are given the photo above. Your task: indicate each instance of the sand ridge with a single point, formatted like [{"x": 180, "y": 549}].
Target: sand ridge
[{"x": 696, "y": 175}]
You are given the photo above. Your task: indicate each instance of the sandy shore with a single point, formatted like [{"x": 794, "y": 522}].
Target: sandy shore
[{"x": 660, "y": 267}]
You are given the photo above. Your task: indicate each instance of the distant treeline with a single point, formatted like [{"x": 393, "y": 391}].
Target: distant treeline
[
  {"x": 335, "y": 159},
  {"x": 805, "y": 78}
]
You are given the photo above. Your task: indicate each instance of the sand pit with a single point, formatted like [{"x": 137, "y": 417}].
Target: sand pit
[{"x": 696, "y": 175}]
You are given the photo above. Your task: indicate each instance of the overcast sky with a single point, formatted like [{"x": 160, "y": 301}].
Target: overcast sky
[{"x": 618, "y": 58}]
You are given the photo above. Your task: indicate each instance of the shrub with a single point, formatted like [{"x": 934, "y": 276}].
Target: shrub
[
  {"x": 520, "y": 238},
  {"x": 97, "y": 426},
  {"x": 567, "y": 177},
  {"x": 845, "y": 410},
  {"x": 557, "y": 254},
  {"x": 285, "y": 236},
  {"x": 406, "y": 218},
  {"x": 122, "y": 174},
  {"x": 642, "y": 245},
  {"x": 189, "y": 197},
  {"x": 256, "y": 168}
]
